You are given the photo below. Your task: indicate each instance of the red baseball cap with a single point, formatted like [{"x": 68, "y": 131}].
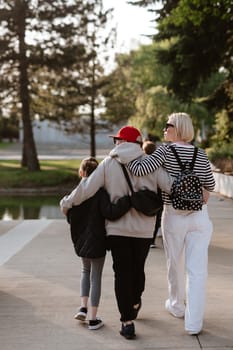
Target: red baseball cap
[{"x": 129, "y": 134}]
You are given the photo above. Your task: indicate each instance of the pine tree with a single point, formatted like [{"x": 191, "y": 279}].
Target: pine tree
[{"x": 41, "y": 43}]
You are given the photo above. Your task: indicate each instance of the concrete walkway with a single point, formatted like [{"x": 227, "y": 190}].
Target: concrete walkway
[{"x": 39, "y": 292}]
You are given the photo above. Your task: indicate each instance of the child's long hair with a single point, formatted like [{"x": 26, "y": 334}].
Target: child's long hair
[{"x": 88, "y": 165}]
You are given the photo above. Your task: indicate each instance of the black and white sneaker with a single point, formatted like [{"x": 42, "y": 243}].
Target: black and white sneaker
[
  {"x": 95, "y": 324},
  {"x": 81, "y": 314}
]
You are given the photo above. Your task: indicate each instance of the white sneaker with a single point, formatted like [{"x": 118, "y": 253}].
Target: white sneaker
[
  {"x": 153, "y": 246},
  {"x": 159, "y": 233},
  {"x": 168, "y": 308}
]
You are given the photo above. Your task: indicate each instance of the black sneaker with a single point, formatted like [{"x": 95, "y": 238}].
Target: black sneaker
[
  {"x": 136, "y": 310},
  {"x": 81, "y": 314},
  {"x": 95, "y": 324},
  {"x": 128, "y": 331}
]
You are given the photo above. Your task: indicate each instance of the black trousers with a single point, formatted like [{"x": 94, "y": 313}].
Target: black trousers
[{"x": 129, "y": 255}]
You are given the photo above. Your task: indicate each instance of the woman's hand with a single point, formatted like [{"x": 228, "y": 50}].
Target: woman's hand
[{"x": 206, "y": 195}]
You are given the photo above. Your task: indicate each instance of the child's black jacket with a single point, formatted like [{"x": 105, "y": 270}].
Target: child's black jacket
[{"x": 87, "y": 223}]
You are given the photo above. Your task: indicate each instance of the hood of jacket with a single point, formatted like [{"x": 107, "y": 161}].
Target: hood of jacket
[{"x": 126, "y": 151}]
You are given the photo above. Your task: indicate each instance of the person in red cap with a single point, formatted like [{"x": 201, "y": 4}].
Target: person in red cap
[
  {"x": 129, "y": 134},
  {"x": 130, "y": 236},
  {"x": 186, "y": 230}
]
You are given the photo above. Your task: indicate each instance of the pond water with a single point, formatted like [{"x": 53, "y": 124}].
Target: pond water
[{"x": 30, "y": 207}]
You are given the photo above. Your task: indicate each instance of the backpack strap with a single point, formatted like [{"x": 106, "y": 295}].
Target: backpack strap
[
  {"x": 127, "y": 177},
  {"x": 182, "y": 166},
  {"x": 194, "y": 158},
  {"x": 177, "y": 157}
]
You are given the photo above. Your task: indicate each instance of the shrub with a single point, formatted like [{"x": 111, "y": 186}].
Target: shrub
[{"x": 222, "y": 156}]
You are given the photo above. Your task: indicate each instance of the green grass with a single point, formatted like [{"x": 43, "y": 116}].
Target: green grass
[
  {"x": 3, "y": 145},
  {"x": 53, "y": 173}
]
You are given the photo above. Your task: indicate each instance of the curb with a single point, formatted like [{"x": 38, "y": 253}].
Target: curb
[{"x": 40, "y": 190}]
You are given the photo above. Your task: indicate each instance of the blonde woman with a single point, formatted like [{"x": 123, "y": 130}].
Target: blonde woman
[{"x": 186, "y": 233}]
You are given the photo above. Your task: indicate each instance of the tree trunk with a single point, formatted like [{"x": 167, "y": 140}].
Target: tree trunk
[
  {"x": 24, "y": 156},
  {"x": 92, "y": 126},
  {"x": 92, "y": 132},
  {"x": 29, "y": 157}
]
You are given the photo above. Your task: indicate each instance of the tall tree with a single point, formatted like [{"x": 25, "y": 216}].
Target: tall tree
[
  {"x": 138, "y": 92},
  {"x": 100, "y": 40},
  {"x": 120, "y": 95},
  {"x": 201, "y": 34},
  {"x": 35, "y": 35},
  {"x": 201, "y": 44},
  {"x": 13, "y": 20}
]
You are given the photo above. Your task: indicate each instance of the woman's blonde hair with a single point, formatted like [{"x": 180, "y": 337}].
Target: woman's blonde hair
[{"x": 184, "y": 126}]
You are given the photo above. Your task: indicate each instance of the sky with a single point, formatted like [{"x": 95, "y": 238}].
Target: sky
[{"x": 133, "y": 23}]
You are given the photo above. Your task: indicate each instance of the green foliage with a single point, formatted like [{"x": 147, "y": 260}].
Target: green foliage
[
  {"x": 119, "y": 93},
  {"x": 221, "y": 155},
  {"x": 138, "y": 92},
  {"x": 203, "y": 33},
  {"x": 62, "y": 89},
  {"x": 146, "y": 70},
  {"x": 152, "y": 108},
  {"x": 223, "y": 151},
  {"x": 3, "y": 145},
  {"x": 198, "y": 56},
  {"x": 132, "y": 85},
  {"x": 222, "y": 127}
]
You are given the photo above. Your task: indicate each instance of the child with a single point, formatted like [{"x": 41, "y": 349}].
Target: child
[
  {"x": 149, "y": 147},
  {"x": 87, "y": 225}
]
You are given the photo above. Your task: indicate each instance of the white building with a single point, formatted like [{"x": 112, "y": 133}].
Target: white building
[{"x": 47, "y": 132}]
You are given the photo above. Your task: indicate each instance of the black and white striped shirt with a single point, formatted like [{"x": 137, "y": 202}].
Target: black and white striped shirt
[{"x": 163, "y": 155}]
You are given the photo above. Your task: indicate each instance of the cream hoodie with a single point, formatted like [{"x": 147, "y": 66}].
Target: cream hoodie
[{"x": 109, "y": 174}]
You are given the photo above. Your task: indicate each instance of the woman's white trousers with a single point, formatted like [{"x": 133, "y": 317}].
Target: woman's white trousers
[{"x": 186, "y": 239}]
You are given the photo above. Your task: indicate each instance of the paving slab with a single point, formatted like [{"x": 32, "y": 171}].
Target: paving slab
[{"x": 39, "y": 294}]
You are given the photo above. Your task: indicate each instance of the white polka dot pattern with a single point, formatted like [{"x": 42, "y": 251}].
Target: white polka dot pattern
[{"x": 186, "y": 192}]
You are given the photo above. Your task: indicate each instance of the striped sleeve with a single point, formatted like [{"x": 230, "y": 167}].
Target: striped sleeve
[
  {"x": 148, "y": 164},
  {"x": 203, "y": 170},
  {"x": 164, "y": 156}
]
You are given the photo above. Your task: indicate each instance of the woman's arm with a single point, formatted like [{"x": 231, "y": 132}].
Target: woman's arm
[
  {"x": 149, "y": 164},
  {"x": 209, "y": 183},
  {"x": 165, "y": 180}
]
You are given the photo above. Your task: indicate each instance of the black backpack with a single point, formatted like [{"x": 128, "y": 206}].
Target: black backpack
[
  {"x": 145, "y": 201},
  {"x": 186, "y": 191}
]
